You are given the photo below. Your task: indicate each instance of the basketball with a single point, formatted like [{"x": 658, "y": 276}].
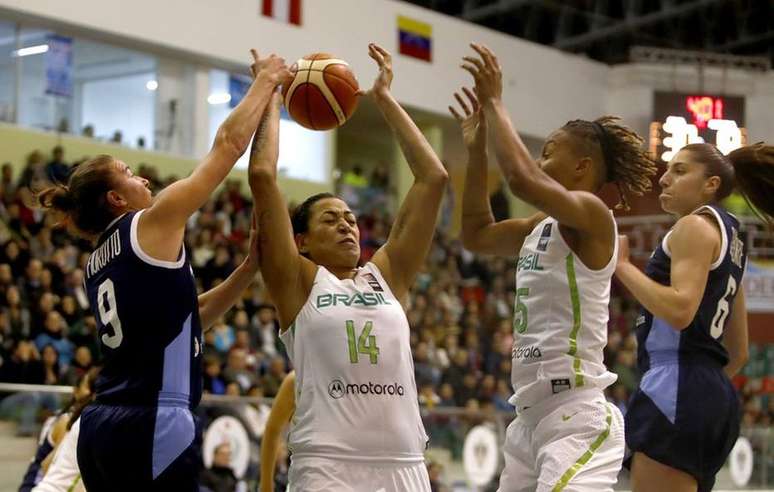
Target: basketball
[{"x": 323, "y": 93}]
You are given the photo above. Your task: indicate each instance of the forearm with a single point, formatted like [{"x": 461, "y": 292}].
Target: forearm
[
  {"x": 663, "y": 301},
  {"x": 216, "y": 301},
  {"x": 235, "y": 131},
  {"x": 476, "y": 209},
  {"x": 735, "y": 364},
  {"x": 421, "y": 158},
  {"x": 513, "y": 158},
  {"x": 264, "y": 152},
  {"x": 269, "y": 445}
]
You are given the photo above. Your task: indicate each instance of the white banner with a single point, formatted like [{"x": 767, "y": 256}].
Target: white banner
[{"x": 759, "y": 288}]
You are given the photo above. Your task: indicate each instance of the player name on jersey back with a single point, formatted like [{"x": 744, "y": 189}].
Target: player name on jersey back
[{"x": 104, "y": 254}]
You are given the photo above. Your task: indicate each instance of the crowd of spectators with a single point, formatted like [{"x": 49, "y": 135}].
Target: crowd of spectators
[{"x": 460, "y": 310}]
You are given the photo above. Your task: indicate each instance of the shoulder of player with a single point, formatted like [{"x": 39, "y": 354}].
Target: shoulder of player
[
  {"x": 536, "y": 219},
  {"x": 599, "y": 220},
  {"x": 695, "y": 229}
]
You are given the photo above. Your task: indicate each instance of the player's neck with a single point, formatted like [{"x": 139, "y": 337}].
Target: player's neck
[{"x": 342, "y": 272}]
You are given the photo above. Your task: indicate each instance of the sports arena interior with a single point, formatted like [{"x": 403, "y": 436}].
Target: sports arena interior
[{"x": 150, "y": 82}]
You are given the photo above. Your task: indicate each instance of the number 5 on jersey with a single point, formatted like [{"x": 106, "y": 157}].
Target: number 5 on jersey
[
  {"x": 366, "y": 343},
  {"x": 108, "y": 313}
]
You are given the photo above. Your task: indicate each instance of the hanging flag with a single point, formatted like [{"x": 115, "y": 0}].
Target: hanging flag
[
  {"x": 59, "y": 66},
  {"x": 415, "y": 38},
  {"x": 283, "y": 10}
]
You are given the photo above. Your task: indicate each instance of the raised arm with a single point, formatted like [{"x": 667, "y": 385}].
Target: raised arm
[
  {"x": 162, "y": 225},
  {"x": 480, "y": 232},
  {"x": 678, "y": 302},
  {"x": 281, "y": 412},
  {"x": 578, "y": 210},
  {"x": 216, "y": 301},
  {"x": 287, "y": 274},
  {"x": 403, "y": 254}
]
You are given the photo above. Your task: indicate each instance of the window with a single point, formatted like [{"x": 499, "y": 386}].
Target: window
[{"x": 303, "y": 154}]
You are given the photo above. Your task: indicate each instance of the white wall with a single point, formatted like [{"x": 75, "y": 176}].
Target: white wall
[
  {"x": 544, "y": 87},
  {"x": 631, "y": 90}
]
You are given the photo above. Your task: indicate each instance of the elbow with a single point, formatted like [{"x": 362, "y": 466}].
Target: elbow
[
  {"x": 740, "y": 357},
  {"x": 469, "y": 242},
  {"x": 261, "y": 177},
  {"x": 680, "y": 319},
  {"x": 437, "y": 177}
]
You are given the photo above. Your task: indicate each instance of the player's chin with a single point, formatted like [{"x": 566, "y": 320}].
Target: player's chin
[{"x": 667, "y": 202}]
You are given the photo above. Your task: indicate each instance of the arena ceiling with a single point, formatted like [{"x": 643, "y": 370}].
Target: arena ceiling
[{"x": 606, "y": 30}]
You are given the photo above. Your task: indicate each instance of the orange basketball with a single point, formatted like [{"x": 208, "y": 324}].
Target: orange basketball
[{"x": 322, "y": 95}]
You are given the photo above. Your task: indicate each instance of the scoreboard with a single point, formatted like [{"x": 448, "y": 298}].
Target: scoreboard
[{"x": 680, "y": 119}]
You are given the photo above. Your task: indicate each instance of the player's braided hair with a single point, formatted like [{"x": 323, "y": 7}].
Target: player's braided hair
[{"x": 627, "y": 163}]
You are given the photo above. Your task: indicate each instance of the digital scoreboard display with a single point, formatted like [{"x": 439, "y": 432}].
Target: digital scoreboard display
[{"x": 680, "y": 119}]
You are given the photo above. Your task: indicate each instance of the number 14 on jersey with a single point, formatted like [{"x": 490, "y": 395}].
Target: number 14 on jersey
[{"x": 366, "y": 343}]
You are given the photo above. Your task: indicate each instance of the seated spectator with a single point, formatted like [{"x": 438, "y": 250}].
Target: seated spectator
[
  {"x": 24, "y": 366},
  {"x": 236, "y": 370},
  {"x": 220, "y": 476},
  {"x": 53, "y": 335},
  {"x": 446, "y": 395},
  {"x": 82, "y": 362},
  {"x": 428, "y": 398},
  {"x": 213, "y": 382},
  {"x": 224, "y": 336},
  {"x": 254, "y": 357},
  {"x": 270, "y": 382},
  {"x": 266, "y": 327},
  {"x": 57, "y": 170},
  {"x": 50, "y": 358},
  {"x": 18, "y": 315}
]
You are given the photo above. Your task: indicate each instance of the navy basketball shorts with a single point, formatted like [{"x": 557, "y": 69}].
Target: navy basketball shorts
[
  {"x": 685, "y": 416},
  {"x": 125, "y": 448}
]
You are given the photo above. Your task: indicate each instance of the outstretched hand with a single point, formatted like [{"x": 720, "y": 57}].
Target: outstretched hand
[
  {"x": 486, "y": 72},
  {"x": 383, "y": 59},
  {"x": 273, "y": 68},
  {"x": 472, "y": 124}
]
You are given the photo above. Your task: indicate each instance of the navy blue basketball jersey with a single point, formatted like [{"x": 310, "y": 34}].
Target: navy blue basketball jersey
[
  {"x": 658, "y": 342},
  {"x": 147, "y": 315}
]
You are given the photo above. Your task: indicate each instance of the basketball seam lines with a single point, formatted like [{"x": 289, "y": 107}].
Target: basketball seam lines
[{"x": 330, "y": 98}]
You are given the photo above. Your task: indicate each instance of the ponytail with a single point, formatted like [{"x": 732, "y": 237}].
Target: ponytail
[{"x": 754, "y": 173}]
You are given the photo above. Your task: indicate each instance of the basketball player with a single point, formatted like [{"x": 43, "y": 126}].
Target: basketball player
[
  {"x": 357, "y": 425},
  {"x": 55, "y": 428},
  {"x": 60, "y": 468},
  {"x": 141, "y": 434},
  {"x": 566, "y": 436},
  {"x": 692, "y": 335},
  {"x": 282, "y": 410}
]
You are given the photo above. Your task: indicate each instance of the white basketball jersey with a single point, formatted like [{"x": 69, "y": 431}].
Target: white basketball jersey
[
  {"x": 356, "y": 398},
  {"x": 560, "y": 318},
  {"x": 63, "y": 473}
]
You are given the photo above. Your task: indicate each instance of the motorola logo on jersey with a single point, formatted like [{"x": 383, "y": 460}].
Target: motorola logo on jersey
[
  {"x": 529, "y": 352},
  {"x": 338, "y": 389}
]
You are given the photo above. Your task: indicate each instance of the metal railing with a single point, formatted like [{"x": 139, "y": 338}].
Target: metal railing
[
  {"x": 645, "y": 232},
  {"x": 448, "y": 429}
]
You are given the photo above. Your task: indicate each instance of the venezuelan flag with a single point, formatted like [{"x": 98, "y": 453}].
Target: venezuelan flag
[{"x": 415, "y": 38}]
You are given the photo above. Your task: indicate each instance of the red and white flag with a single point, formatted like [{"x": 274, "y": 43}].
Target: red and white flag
[{"x": 283, "y": 10}]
